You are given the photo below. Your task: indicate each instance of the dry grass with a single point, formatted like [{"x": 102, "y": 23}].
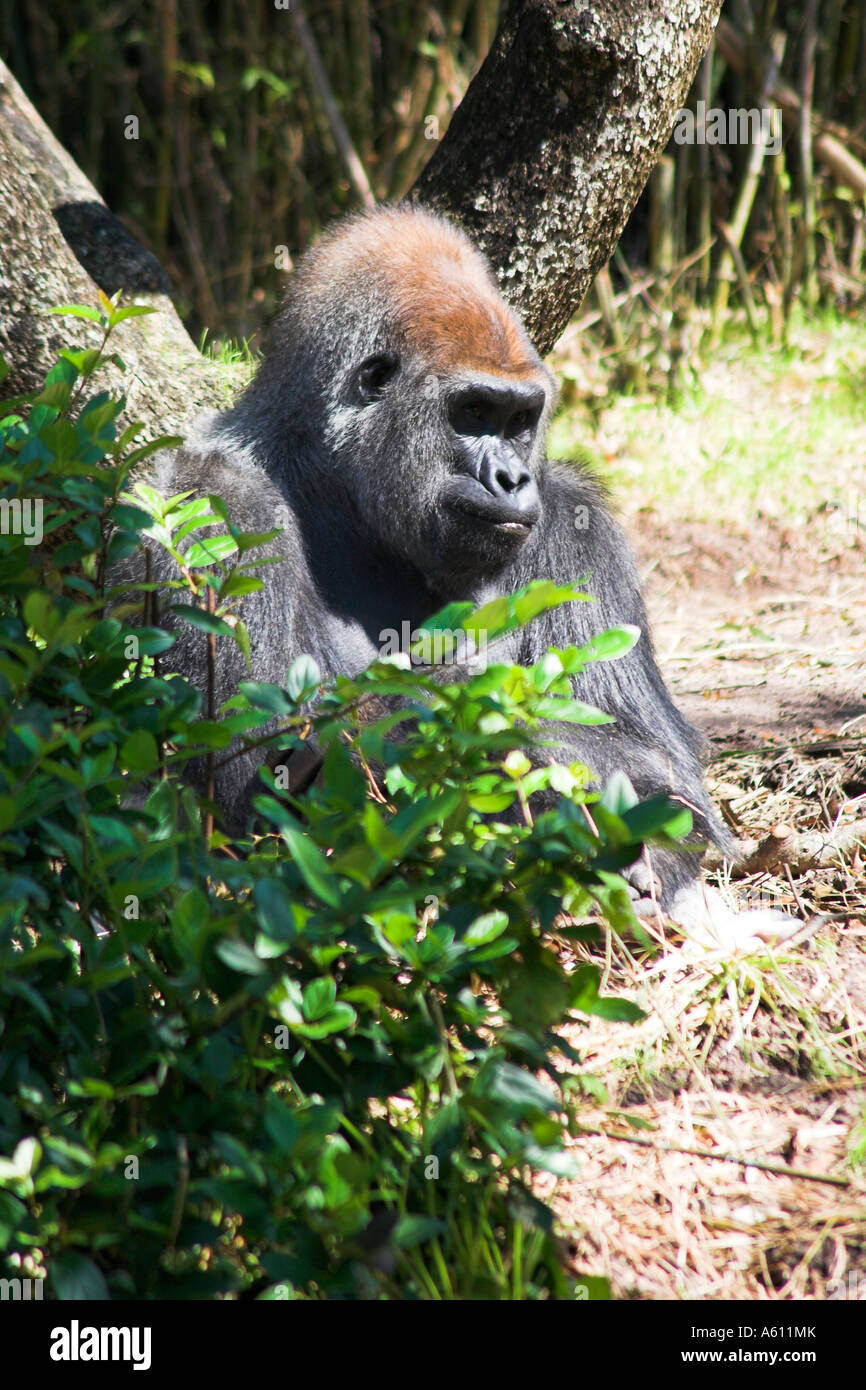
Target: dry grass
[
  {"x": 663, "y": 1224},
  {"x": 760, "y": 622},
  {"x": 760, "y": 1059}
]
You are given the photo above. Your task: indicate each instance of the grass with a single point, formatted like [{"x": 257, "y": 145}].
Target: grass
[
  {"x": 779, "y": 432},
  {"x": 760, "y": 1058}
]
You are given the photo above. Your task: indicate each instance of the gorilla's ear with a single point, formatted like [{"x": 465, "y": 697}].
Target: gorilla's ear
[{"x": 373, "y": 376}]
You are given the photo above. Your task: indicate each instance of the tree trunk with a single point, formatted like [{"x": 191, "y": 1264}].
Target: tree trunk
[
  {"x": 548, "y": 152},
  {"x": 542, "y": 164},
  {"x": 58, "y": 242}
]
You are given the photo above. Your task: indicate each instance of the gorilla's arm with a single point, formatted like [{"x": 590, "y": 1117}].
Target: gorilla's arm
[
  {"x": 660, "y": 752},
  {"x": 284, "y": 619}
]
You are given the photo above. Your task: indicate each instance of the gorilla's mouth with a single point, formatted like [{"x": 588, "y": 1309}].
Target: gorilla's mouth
[
  {"x": 508, "y": 528},
  {"x": 494, "y": 516},
  {"x": 509, "y": 515}
]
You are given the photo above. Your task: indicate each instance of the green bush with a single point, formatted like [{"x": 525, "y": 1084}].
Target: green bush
[{"x": 321, "y": 1063}]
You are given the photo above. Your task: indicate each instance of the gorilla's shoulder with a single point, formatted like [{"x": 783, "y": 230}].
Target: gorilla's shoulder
[
  {"x": 580, "y": 525},
  {"x": 209, "y": 449},
  {"x": 213, "y": 460},
  {"x": 567, "y": 483},
  {"x": 575, "y": 478}
]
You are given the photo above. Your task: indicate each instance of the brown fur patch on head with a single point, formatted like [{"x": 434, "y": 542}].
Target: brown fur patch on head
[{"x": 439, "y": 288}]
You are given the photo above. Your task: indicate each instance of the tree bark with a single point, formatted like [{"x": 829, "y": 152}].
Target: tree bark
[
  {"x": 542, "y": 164},
  {"x": 547, "y": 153},
  {"x": 58, "y": 242}
]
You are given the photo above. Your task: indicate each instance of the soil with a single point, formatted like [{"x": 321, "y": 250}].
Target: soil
[{"x": 762, "y": 637}]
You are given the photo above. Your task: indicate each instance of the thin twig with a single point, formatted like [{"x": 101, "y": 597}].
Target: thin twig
[
  {"x": 780, "y": 1169},
  {"x": 346, "y": 150}
]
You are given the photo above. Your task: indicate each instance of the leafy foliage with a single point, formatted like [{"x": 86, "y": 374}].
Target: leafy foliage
[{"x": 321, "y": 1063}]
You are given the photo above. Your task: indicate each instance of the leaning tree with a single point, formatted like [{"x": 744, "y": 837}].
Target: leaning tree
[{"x": 542, "y": 163}]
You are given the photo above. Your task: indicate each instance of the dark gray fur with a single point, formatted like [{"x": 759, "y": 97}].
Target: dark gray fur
[{"x": 358, "y": 488}]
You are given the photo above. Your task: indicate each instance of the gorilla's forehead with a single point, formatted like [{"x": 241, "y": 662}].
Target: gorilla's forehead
[
  {"x": 456, "y": 323},
  {"x": 435, "y": 287}
]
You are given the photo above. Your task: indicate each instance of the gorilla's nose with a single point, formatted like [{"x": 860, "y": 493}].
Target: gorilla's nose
[
  {"x": 496, "y": 425},
  {"x": 507, "y": 478}
]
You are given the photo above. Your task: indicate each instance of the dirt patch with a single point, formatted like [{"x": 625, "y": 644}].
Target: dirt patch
[
  {"x": 660, "y": 1223},
  {"x": 761, "y": 634},
  {"x": 743, "y": 1087},
  {"x": 761, "y": 1064},
  {"x": 725, "y": 1164}
]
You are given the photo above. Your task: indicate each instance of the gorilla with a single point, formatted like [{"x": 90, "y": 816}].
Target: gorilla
[{"x": 395, "y": 430}]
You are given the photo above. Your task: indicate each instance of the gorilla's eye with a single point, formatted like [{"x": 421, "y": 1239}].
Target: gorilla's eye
[{"x": 373, "y": 376}]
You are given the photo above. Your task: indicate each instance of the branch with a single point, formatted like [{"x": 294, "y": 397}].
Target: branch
[
  {"x": 342, "y": 139},
  {"x": 825, "y": 147},
  {"x": 810, "y": 849},
  {"x": 547, "y": 153}
]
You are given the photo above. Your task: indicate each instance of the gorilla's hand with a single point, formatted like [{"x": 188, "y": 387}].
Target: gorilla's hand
[{"x": 705, "y": 918}]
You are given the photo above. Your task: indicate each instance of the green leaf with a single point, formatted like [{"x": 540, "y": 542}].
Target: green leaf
[
  {"x": 130, "y": 311},
  {"x": 516, "y": 1088},
  {"x": 337, "y": 1020},
  {"x": 586, "y": 998},
  {"x": 658, "y": 816},
  {"x": 274, "y": 909},
  {"x": 268, "y": 697},
  {"x": 611, "y": 645},
  {"x": 313, "y": 866},
  {"x": 239, "y": 956},
  {"x": 139, "y": 753},
  {"x": 77, "y": 311},
  {"x": 72, "y": 1276},
  {"x": 414, "y": 820},
  {"x": 448, "y": 618},
  {"x": 319, "y": 997},
  {"x": 200, "y": 618},
  {"x": 552, "y": 1159},
  {"x": 209, "y": 551},
  {"x": 618, "y": 795},
  {"x": 488, "y": 803},
  {"x": 380, "y": 837},
  {"x": 303, "y": 678},
  {"x": 24, "y": 1161},
  {"x": 131, "y": 518},
  {"x": 237, "y": 585},
  {"x": 570, "y": 711},
  {"x": 486, "y": 928},
  {"x": 55, "y": 393},
  {"x": 493, "y": 619},
  {"x": 242, "y": 638}
]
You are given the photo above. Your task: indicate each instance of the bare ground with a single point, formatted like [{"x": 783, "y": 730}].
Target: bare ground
[
  {"x": 761, "y": 633},
  {"x": 762, "y": 636}
]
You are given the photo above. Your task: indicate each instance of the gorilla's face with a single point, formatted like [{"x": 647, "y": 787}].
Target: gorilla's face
[
  {"x": 494, "y": 435},
  {"x": 473, "y": 441},
  {"x": 397, "y": 347}
]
